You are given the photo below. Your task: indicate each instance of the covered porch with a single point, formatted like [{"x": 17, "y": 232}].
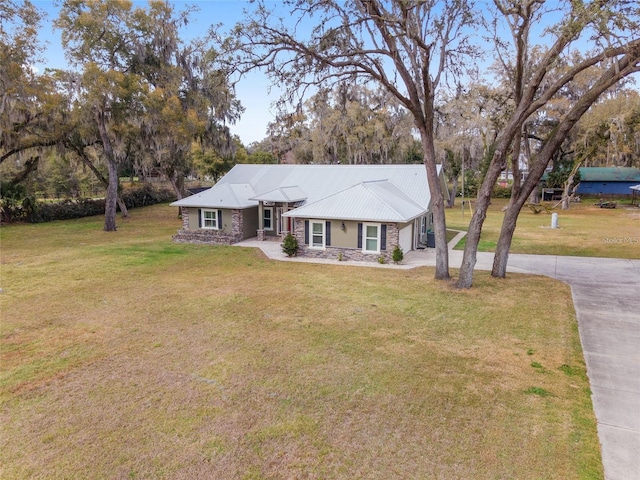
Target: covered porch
[{"x": 272, "y": 205}]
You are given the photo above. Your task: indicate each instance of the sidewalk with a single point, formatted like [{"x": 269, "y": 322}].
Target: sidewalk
[{"x": 606, "y": 296}]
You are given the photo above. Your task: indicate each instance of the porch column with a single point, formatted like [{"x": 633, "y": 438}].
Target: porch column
[
  {"x": 284, "y": 221},
  {"x": 260, "y": 232}
]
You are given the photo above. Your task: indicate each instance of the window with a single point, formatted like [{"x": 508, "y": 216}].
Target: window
[
  {"x": 371, "y": 238},
  {"x": 317, "y": 235},
  {"x": 210, "y": 219},
  {"x": 267, "y": 220}
]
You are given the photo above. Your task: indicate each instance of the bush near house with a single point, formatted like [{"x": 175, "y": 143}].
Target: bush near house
[
  {"x": 397, "y": 254},
  {"x": 290, "y": 245}
]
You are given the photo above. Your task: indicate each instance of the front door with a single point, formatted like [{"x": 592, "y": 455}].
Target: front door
[{"x": 284, "y": 223}]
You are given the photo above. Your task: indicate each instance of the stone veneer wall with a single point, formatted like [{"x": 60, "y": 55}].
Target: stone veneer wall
[
  {"x": 185, "y": 218},
  {"x": 216, "y": 237},
  {"x": 356, "y": 254}
]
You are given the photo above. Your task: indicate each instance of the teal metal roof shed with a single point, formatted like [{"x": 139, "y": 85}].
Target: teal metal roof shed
[{"x": 607, "y": 180}]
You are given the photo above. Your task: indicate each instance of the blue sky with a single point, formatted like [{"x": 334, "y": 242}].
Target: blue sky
[{"x": 253, "y": 90}]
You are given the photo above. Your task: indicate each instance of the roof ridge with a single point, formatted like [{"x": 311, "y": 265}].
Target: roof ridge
[{"x": 385, "y": 202}]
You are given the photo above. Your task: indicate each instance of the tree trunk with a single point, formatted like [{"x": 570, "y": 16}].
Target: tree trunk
[
  {"x": 566, "y": 194},
  {"x": 501, "y": 257},
  {"x": 111, "y": 198},
  {"x": 469, "y": 257},
  {"x": 176, "y": 186},
  {"x": 123, "y": 207},
  {"x": 515, "y": 167},
  {"x": 85, "y": 159},
  {"x": 454, "y": 191},
  {"x": 29, "y": 166},
  {"x": 112, "y": 167},
  {"x": 437, "y": 204}
]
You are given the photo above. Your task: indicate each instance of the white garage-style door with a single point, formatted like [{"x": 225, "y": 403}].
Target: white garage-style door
[{"x": 406, "y": 238}]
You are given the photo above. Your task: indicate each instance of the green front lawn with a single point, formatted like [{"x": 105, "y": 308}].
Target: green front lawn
[
  {"x": 584, "y": 230},
  {"x": 127, "y": 356}
]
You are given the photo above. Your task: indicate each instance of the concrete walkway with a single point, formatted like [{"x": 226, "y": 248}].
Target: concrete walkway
[{"x": 606, "y": 296}]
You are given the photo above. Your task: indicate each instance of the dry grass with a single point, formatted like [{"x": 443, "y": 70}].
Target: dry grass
[
  {"x": 126, "y": 356},
  {"x": 585, "y": 230}
]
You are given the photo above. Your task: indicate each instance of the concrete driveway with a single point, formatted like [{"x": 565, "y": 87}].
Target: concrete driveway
[{"x": 606, "y": 296}]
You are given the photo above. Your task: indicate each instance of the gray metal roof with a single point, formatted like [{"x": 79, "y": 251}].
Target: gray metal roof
[
  {"x": 374, "y": 201},
  {"x": 282, "y": 194},
  {"x": 402, "y": 189},
  {"x": 222, "y": 195}
]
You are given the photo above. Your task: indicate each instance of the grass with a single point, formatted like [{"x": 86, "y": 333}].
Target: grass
[
  {"x": 127, "y": 356},
  {"x": 584, "y": 230}
]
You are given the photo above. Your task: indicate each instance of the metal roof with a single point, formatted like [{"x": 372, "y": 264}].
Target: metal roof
[
  {"x": 374, "y": 201},
  {"x": 282, "y": 194},
  {"x": 609, "y": 174},
  {"x": 222, "y": 195},
  {"x": 406, "y": 187}
]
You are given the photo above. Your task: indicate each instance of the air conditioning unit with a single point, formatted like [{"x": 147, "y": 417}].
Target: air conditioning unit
[{"x": 428, "y": 239}]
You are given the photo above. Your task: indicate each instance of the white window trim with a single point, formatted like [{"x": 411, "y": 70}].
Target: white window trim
[
  {"x": 364, "y": 237},
  {"x": 202, "y": 219},
  {"x": 267, "y": 209},
  {"x": 324, "y": 234}
]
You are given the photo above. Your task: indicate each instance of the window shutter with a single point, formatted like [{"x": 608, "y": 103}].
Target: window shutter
[
  {"x": 359, "y": 235},
  {"x": 219, "y": 222},
  {"x": 199, "y": 218},
  {"x": 383, "y": 237},
  {"x": 328, "y": 234},
  {"x": 306, "y": 232}
]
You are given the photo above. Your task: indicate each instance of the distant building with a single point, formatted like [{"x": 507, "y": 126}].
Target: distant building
[{"x": 607, "y": 180}]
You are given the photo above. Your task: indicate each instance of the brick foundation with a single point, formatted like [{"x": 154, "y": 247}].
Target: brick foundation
[
  {"x": 214, "y": 237},
  {"x": 353, "y": 254}
]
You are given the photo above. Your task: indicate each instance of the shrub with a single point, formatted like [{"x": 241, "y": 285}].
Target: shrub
[
  {"x": 12, "y": 210},
  {"x": 397, "y": 254},
  {"x": 145, "y": 194},
  {"x": 501, "y": 192},
  {"x": 66, "y": 210},
  {"x": 290, "y": 245}
]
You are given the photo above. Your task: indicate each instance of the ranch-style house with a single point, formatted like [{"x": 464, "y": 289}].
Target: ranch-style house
[{"x": 359, "y": 211}]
